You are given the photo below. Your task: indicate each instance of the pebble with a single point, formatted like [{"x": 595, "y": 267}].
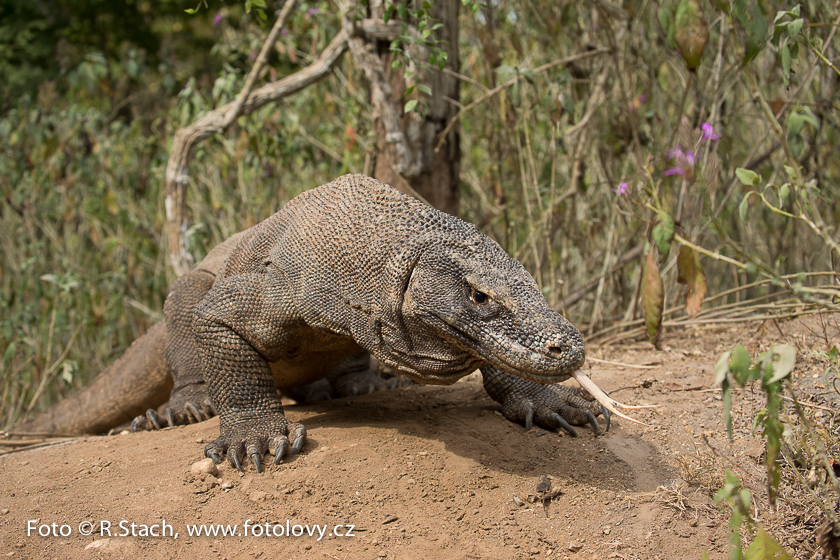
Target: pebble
[
  {"x": 575, "y": 546},
  {"x": 227, "y": 485},
  {"x": 205, "y": 466}
]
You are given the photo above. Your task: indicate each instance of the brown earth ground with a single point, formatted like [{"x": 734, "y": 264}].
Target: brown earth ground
[{"x": 436, "y": 472}]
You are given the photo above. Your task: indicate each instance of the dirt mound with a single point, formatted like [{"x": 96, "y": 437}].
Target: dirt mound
[{"x": 418, "y": 472}]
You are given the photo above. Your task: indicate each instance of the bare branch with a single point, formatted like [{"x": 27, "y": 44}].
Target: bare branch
[
  {"x": 216, "y": 121},
  {"x": 234, "y": 112}
]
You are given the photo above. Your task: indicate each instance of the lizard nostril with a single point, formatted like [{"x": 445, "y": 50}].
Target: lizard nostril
[{"x": 556, "y": 350}]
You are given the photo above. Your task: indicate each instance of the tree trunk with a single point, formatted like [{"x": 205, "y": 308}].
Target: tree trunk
[{"x": 434, "y": 176}]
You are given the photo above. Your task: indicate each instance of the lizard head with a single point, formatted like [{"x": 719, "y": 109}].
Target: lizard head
[{"x": 474, "y": 298}]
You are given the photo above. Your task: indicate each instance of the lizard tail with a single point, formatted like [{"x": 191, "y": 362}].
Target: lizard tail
[{"x": 137, "y": 381}]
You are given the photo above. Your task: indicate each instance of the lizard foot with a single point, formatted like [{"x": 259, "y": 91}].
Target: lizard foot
[
  {"x": 271, "y": 432},
  {"x": 553, "y": 407},
  {"x": 187, "y": 405}
]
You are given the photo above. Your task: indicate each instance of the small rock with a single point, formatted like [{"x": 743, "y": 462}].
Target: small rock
[
  {"x": 227, "y": 485},
  {"x": 575, "y": 546},
  {"x": 205, "y": 466},
  {"x": 257, "y": 496},
  {"x": 4, "y": 511},
  {"x": 200, "y": 440},
  {"x": 607, "y": 530},
  {"x": 124, "y": 433},
  {"x": 99, "y": 543}
]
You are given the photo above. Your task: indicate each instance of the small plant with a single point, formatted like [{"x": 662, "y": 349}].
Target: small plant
[{"x": 771, "y": 368}]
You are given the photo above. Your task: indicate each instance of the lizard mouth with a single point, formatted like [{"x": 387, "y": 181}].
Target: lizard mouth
[{"x": 511, "y": 356}]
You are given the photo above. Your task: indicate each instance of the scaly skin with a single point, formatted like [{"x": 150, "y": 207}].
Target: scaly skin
[{"x": 349, "y": 268}]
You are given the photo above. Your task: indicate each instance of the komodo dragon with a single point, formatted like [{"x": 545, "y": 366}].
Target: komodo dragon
[{"x": 350, "y": 268}]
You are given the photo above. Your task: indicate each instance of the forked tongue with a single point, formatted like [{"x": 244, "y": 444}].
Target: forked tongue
[{"x": 604, "y": 399}]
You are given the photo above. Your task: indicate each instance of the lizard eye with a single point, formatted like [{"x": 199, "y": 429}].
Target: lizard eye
[{"x": 479, "y": 297}]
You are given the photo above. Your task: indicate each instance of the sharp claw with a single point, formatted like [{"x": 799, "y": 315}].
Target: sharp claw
[
  {"x": 216, "y": 458},
  {"x": 209, "y": 404},
  {"x": 153, "y": 418},
  {"x": 592, "y": 422},
  {"x": 236, "y": 463},
  {"x": 280, "y": 451},
  {"x": 529, "y": 415},
  {"x": 563, "y": 424},
  {"x": 170, "y": 417},
  {"x": 195, "y": 412},
  {"x": 255, "y": 458},
  {"x": 300, "y": 437},
  {"x": 607, "y": 414},
  {"x": 135, "y": 424}
]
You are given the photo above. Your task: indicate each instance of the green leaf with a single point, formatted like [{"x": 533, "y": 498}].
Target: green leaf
[
  {"x": 690, "y": 32},
  {"x": 726, "y": 399},
  {"x": 747, "y": 177},
  {"x": 666, "y": 21},
  {"x": 653, "y": 298},
  {"x": 722, "y": 368},
  {"x": 785, "y": 363},
  {"x": 410, "y": 105},
  {"x": 785, "y": 53},
  {"x": 691, "y": 274},
  {"x": 809, "y": 117},
  {"x": 784, "y": 192},
  {"x": 795, "y": 123},
  {"x": 739, "y": 365},
  {"x": 663, "y": 234},
  {"x": 10, "y": 352},
  {"x": 425, "y": 89},
  {"x": 765, "y": 547},
  {"x": 794, "y": 27},
  {"x": 756, "y": 33},
  {"x": 743, "y": 207}
]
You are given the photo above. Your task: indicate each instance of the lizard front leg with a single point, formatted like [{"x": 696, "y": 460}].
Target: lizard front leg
[
  {"x": 240, "y": 324},
  {"x": 550, "y": 406}
]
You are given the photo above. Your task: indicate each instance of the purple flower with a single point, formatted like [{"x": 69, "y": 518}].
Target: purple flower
[
  {"x": 217, "y": 20},
  {"x": 708, "y": 132},
  {"x": 85, "y": 119},
  {"x": 676, "y": 153},
  {"x": 313, "y": 11},
  {"x": 684, "y": 162},
  {"x": 622, "y": 189},
  {"x": 284, "y": 31}
]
